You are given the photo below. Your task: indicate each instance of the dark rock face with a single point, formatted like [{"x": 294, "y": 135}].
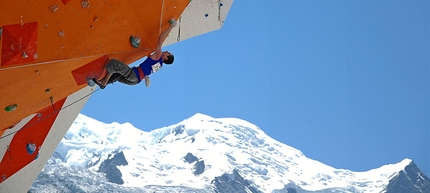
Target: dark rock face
[
  {"x": 411, "y": 180},
  {"x": 199, "y": 167},
  {"x": 178, "y": 130},
  {"x": 190, "y": 158},
  {"x": 112, "y": 172},
  {"x": 233, "y": 183}
]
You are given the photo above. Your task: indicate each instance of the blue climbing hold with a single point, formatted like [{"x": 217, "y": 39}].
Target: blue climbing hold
[
  {"x": 90, "y": 82},
  {"x": 206, "y": 15},
  {"x": 37, "y": 156},
  {"x": 31, "y": 148}
]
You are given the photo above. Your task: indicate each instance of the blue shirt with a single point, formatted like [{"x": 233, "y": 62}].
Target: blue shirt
[{"x": 149, "y": 66}]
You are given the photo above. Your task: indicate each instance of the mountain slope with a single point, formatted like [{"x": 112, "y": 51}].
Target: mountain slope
[
  {"x": 410, "y": 180},
  {"x": 199, "y": 154}
]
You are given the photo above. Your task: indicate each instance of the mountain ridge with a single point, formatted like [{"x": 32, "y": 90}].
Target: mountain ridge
[{"x": 195, "y": 152}]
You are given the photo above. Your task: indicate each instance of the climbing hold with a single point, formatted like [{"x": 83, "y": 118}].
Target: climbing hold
[
  {"x": 135, "y": 41},
  {"x": 31, "y": 147},
  {"x": 206, "y": 15},
  {"x": 53, "y": 8},
  {"x": 61, "y": 33},
  {"x": 3, "y": 177},
  {"x": 24, "y": 55},
  {"x": 85, "y": 4},
  {"x": 48, "y": 90},
  {"x": 172, "y": 22},
  {"x": 221, "y": 4},
  {"x": 11, "y": 108},
  {"x": 37, "y": 156},
  {"x": 90, "y": 82}
]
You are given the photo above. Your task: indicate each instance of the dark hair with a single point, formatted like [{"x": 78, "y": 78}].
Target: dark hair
[{"x": 169, "y": 60}]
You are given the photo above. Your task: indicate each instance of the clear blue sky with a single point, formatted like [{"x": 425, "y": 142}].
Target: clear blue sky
[{"x": 345, "y": 82}]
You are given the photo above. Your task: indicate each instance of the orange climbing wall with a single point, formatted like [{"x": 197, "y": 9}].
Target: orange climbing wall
[
  {"x": 48, "y": 48},
  {"x": 44, "y": 41}
]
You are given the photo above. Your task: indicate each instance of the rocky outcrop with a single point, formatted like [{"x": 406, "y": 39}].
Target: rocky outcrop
[
  {"x": 233, "y": 183},
  {"x": 109, "y": 167},
  {"x": 411, "y": 180}
]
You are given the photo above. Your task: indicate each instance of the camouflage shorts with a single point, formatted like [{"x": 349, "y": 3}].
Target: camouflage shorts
[{"x": 121, "y": 72}]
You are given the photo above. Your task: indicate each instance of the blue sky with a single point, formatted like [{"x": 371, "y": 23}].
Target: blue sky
[{"x": 345, "y": 82}]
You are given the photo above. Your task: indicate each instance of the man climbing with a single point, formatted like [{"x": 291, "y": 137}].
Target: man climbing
[{"x": 116, "y": 70}]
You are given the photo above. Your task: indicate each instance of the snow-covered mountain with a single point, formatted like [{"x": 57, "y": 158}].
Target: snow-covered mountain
[{"x": 202, "y": 154}]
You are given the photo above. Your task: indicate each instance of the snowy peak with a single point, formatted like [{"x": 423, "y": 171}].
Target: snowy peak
[
  {"x": 232, "y": 129},
  {"x": 199, "y": 117},
  {"x": 204, "y": 153},
  {"x": 211, "y": 130}
]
